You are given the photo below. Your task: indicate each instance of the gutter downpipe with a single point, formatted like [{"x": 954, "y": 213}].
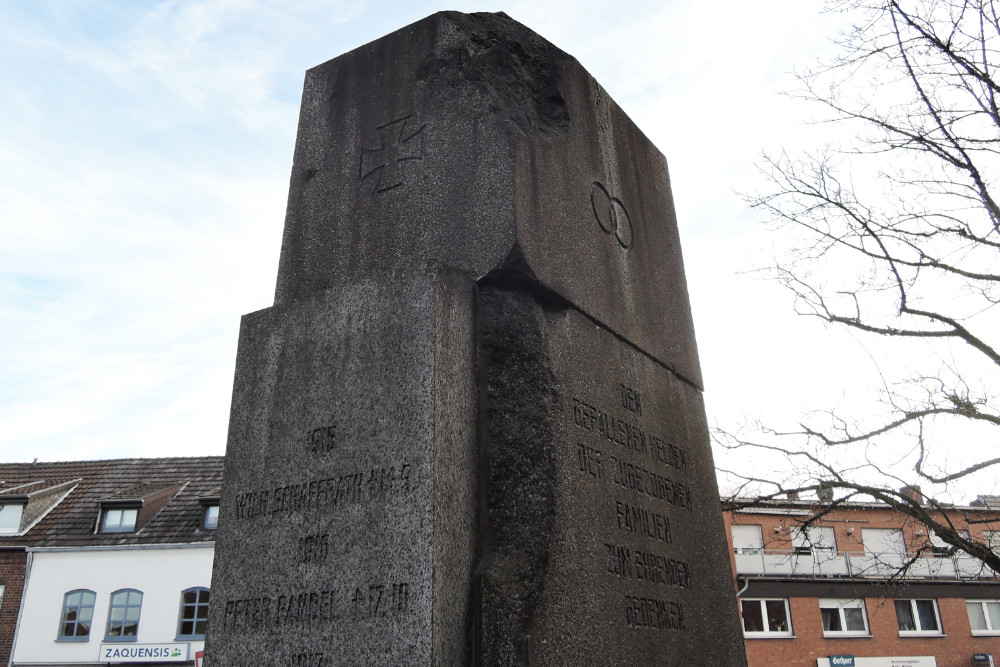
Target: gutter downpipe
[
  {"x": 746, "y": 585},
  {"x": 20, "y": 609}
]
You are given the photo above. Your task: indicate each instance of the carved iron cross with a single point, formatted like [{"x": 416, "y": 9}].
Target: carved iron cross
[{"x": 399, "y": 143}]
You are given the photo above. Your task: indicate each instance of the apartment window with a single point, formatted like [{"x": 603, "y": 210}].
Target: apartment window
[
  {"x": 918, "y": 617},
  {"x": 77, "y": 616},
  {"x": 843, "y": 618},
  {"x": 747, "y": 539},
  {"x": 883, "y": 541},
  {"x": 194, "y": 614},
  {"x": 940, "y": 548},
  {"x": 766, "y": 618},
  {"x": 211, "y": 517},
  {"x": 119, "y": 519},
  {"x": 123, "y": 615},
  {"x": 984, "y": 616},
  {"x": 992, "y": 539},
  {"x": 814, "y": 539}
]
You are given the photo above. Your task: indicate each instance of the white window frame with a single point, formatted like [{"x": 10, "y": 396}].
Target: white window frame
[
  {"x": 920, "y": 632},
  {"x": 840, "y": 605},
  {"x": 125, "y": 519},
  {"x": 990, "y": 630},
  {"x": 741, "y": 531},
  {"x": 940, "y": 548},
  {"x": 12, "y": 512},
  {"x": 767, "y": 633},
  {"x": 812, "y": 539}
]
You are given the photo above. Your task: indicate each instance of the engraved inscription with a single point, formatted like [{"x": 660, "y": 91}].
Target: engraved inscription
[
  {"x": 400, "y": 140},
  {"x": 626, "y": 563},
  {"x": 591, "y": 461},
  {"x": 628, "y": 435},
  {"x": 641, "y": 521},
  {"x": 327, "y": 493},
  {"x": 648, "y": 483},
  {"x": 314, "y": 548},
  {"x": 321, "y": 440},
  {"x": 619, "y": 560},
  {"x": 309, "y": 608},
  {"x": 308, "y": 660},
  {"x": 611, "y": 215},
  {"x": 655, "y": 614},
  {"x": 631, "y": 400}
]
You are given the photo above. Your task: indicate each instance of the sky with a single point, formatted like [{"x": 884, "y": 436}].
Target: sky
[{"x": 145, "y": 151}]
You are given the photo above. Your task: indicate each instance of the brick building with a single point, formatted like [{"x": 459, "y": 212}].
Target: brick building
[
  {"x": 106, "y": 561},
  {"x": 861, "y": 584}
]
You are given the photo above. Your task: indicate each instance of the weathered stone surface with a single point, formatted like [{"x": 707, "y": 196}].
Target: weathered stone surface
[
  {"x": 349, "y": 494},
  {"x": 466, "y": 139},
  {"x": 470, "y": 430},
  {"x": 604, "y": 542}
]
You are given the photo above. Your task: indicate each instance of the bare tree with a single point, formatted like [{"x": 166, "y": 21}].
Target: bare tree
[{"x": 896, "y": 236}]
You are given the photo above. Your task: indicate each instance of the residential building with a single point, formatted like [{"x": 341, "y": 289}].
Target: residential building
[
  {"x": 856, "y": 583},
  {"x": 106, "y": 561}
]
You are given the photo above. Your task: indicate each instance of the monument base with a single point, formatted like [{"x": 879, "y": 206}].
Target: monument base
[{"x": 350, "y": 480}]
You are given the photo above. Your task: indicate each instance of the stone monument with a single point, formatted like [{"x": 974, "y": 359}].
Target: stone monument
[{"x": 470, "y": 430}]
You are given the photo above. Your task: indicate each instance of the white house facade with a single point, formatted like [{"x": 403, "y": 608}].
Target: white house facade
[
  {"x": 107, "y": 562},
  {"x": 80, "y": 605}
]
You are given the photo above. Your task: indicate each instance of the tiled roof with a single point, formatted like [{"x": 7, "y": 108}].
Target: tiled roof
[
  {"x": 72, "y": 521},
  {"x": 987, "y": 501}
]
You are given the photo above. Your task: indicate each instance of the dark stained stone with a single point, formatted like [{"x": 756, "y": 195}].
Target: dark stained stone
[{"x": 464, "y": 138}]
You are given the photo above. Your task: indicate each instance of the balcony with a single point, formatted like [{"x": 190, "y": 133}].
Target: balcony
[{"x": 829, "y": 563}]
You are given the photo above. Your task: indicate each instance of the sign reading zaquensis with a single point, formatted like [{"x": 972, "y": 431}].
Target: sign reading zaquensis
[{"x": 144, "y": 652}]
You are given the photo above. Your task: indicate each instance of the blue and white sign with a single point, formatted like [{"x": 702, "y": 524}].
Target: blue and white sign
[
  {"x": 842, "y": 661},
  {"x": 144, "y": 652}
]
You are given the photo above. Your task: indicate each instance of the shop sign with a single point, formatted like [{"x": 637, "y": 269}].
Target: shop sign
[
  {"x": 888, "y": 661},
  {"x": 982, "y": 658},
  {"x": 144, "y": 652}
]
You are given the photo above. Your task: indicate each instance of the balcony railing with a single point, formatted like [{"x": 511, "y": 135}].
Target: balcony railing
[{"x": 828, "y": 563}]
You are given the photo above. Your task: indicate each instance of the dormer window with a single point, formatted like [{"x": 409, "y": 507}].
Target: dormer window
[
  {"x": 11, "y": 512},
  {"x": 129, "y": 510},
  {"x": 210, "y": 511},
  {"x": 119, "y": 519},
  {"x": 211, "y": 517}
]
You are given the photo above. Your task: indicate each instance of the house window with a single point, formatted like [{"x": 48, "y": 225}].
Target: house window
[
  {"x": 984, "y": 616},
  {"x": 194, "y": 614},
  {"x": 747, "y": 539},
  {"x": 211, "y": 517},
  {"x": 123, "y": 616},
  {"x": 843, "y": 618},
  {"x": 77, "y": 616},
  {"x": 10, "y": 518},
  {"x": 916, "y": 617},
  {"x": 765, "y": 618},
  {"x": 119, "y": 519}
]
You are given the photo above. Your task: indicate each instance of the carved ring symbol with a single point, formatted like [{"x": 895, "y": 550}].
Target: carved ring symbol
[{"x": 612, "y": 215}]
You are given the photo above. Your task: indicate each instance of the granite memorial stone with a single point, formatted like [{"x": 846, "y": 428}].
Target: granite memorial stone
[{"x": 470, "y": 430}]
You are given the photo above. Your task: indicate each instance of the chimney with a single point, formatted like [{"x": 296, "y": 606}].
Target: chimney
[
  {"x": 793, "y": 495},
  {"x": 912, "y": 492},
  {"x": 825, "y": 493}
]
